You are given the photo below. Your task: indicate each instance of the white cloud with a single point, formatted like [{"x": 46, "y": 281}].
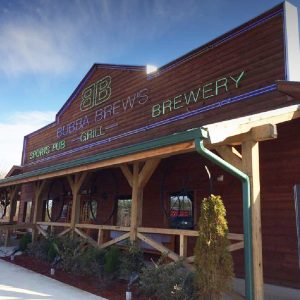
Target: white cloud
[
  {"x": 56, "y": 37},
  {"x": 33, "y": 47},
  {"x": 12, "y": 132}
]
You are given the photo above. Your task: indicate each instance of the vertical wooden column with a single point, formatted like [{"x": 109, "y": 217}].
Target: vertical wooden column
[
  {"x": 135, "y": 204},
  {"x": 76, "y": 182},
  {"x": 38, "y": 188},
  {"x": 250, "y": 161},
  {"x": 183, "y": 246},
  {"x": 12, "y": 198},
  {"x": 137, "y": 180},
  {"x": 13, "y": 193}
]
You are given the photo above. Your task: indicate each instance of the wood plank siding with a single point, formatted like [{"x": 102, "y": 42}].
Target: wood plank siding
[{"x": 142, "y": 107}]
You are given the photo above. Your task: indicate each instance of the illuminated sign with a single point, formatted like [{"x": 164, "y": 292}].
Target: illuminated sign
[
  {"x": 46, "y": 150},
  {"x": 206, "y": 91},
  {"x": 100, "y": 92},
  {"x": 96, "y": 93}
]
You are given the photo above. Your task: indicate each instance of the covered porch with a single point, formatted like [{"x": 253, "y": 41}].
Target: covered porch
[{"x": 236, "y": 142}]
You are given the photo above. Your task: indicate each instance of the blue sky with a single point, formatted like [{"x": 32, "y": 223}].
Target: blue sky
[{"x": 47, "y": 46}]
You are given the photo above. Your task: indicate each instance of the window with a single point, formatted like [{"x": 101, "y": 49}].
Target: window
[
  {"x": 16, "y": 215},
  {"x": 181, "y": 210},
  {"x": 49, "y": 206},
  {"x": 89, "y": 210},
  {"x": 2, "y": 211},
  {"x": 124, "y": 211},
  {"x": 65, "y": 211},
  {"x": 27, "y": 211}
]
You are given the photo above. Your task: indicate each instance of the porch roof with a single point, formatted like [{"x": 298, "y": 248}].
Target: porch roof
[{"x": 184, "y": 142}]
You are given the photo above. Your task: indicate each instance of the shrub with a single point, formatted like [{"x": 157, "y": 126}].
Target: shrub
[
  {"x": 91, "y": 262},
  {"x": 167, "y": 281},
  {"x": 69, "y": 250},
  {"x": 212, "y": 259},
  {"x": 44, "y": 249},
  {"x": 25, "y": 240},
  {"x": 112, "y": 261},
  {"x": 132, "y": 260}
]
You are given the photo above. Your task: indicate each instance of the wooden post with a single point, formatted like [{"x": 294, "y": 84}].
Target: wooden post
[
  {"x": 12, "y": 198},
  {"x": 250, "y": 161},
  {"x": 100, "y": 239},
  {"x": 38, "y": 188},
  {"x": 76, "y": 182},
  {"x": 137, "y": 180},
  {"x": 13, "y": 202},
  {"x": 183, "y": 246},
  {"x": 135, "y": 203}
]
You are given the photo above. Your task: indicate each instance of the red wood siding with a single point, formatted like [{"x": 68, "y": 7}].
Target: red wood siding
[{"x": 257, "y": 50}]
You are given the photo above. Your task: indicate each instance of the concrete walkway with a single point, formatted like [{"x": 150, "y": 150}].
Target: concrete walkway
[
  {"x": 272, "y": 292},
  {"x": 17, "y": 283}
]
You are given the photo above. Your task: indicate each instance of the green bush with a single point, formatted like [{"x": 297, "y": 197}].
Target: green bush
[
  {"x": 44, "y": 249},
  {"x": 167, "y": 281},
  {"x": 132, "y": 260},
  {"x": 112, "y": 261},
  {"x": 70, "y": 250},
  {"x": 213, "y": 261},
  {"x": 91, "y": 262},
  {"x": 25, "y": 240}
]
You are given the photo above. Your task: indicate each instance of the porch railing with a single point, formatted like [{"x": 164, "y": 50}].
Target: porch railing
[
  {"x": 144, "y": 234},
  {"x": 6, "y": 229}
]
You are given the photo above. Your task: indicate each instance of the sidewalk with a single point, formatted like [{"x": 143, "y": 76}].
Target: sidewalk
[
  {"x": 17, "y": 283},
  {"x": 272, "y": 292}
]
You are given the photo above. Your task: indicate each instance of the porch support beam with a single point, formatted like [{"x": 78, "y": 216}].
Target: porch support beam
[
  {"x": 137, "y": 180},
  {"x": 136, "y": 203},
  {"x": 38, "y": 189},
  {"x": 13, "y": 192},
  {"x": 259, "y": 133},
  {"x": 250, "y": 153},
  {"x": 127, "y": 173},
  {"x": 76, "y": 182},
  {"x": 230, "y": 154},
  {"x": 12, "y": 197},
  {"x": 147, "y": 171}
]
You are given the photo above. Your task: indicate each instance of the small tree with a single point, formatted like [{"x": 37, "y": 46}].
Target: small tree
[{"x": 214, "y": 266}]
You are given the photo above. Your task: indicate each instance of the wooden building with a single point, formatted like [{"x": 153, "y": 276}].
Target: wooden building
[{"x": 131, "y": 155}]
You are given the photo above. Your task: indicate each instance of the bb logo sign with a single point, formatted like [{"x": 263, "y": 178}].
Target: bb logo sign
[{"x": 96, "y": 93}]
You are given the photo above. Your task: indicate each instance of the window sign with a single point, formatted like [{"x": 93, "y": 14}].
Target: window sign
[{"x": 181, "y": 210}]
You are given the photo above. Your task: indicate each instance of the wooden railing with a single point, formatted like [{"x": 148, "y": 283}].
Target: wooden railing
[
  {"x": 142, "y": 234},
  {"x": 6, "y": 229},
  {"x": 101, "y": 229},
  {"x": 183, "y": 238},
  {"x": 52, "y": 225}
]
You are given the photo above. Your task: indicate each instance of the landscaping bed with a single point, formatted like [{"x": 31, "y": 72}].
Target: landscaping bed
[{"x": 114, "y": 291}]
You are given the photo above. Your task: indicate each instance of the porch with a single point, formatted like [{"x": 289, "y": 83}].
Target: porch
[{"x": 138, "y": 164}]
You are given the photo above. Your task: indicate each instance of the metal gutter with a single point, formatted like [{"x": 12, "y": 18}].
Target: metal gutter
[{"x": 248, "y": 255}]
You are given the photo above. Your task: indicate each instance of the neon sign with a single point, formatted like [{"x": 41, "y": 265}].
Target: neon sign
[
  {"x": 46, "y": 150},
  {"x": 96, "y": 93},
  {"x": 204, "y": 92}
]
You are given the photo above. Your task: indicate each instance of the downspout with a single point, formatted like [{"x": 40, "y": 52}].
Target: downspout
[{"x": 246, "y": 209}]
